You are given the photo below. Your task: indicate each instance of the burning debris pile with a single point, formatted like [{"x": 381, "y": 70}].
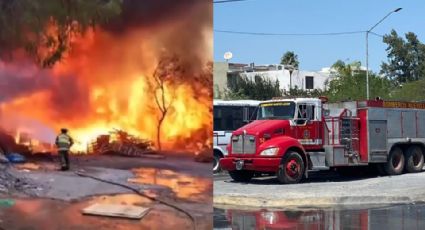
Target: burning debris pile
[
  {"x": 122, "y": 143},
  {"x": 8, "y": 144},
  {"x": 205, "y": 155}
]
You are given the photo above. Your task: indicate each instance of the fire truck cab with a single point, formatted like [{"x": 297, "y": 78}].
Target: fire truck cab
[{"x": 292, "y": 136}]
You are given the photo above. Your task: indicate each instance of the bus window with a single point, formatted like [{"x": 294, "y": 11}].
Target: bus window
[
  {"x": 228, "y": 118},
  {"x": 252, "y": 113},
  {"x": 246, "y": 114},
  {"x": 217, "y": 118}
]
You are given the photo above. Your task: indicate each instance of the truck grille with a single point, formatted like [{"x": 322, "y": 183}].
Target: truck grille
[{"x": 243, "y": 144}]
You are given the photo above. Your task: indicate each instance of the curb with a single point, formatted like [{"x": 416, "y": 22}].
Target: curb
[{"x": 314, "y": 201}]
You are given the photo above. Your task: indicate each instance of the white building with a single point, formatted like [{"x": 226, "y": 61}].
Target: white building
[
  {"x": 300, "y": 78},
  {"x": 224, "y": 73}
]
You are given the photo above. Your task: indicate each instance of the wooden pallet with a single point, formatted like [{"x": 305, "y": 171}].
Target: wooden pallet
[{"x": 116, "y": 210}]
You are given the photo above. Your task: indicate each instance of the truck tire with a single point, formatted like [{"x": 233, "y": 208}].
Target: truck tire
[
  {"x": 414, "y": 159},
  {"x": 395, "y": 162},
  {"x": 291, "y": 169},
  {"x": 216, "y": 162},
  {"x": 241, "y": 176}
]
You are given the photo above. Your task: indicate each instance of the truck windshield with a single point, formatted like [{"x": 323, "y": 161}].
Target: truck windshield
[{"x": 276, "y": 110}]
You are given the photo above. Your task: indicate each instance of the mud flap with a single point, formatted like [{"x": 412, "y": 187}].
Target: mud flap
[{"x": 307, "y": 164}]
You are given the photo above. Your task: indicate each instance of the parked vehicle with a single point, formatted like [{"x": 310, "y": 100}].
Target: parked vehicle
[
  {"x": 229, "y": 116},
  {"x": 292, "y": 136}
]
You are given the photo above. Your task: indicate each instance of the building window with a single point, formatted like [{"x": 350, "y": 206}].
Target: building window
[{"x": 309, "y": 82}]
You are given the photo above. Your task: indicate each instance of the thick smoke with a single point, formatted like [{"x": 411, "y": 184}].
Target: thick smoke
[
  {"x": 20, "y": 80},
  {"x": 189, "y": 25},
  {"x": 25, "y": 78},
  {"x": 151, "y": 13}
]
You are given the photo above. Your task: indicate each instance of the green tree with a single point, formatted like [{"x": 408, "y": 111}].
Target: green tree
[
  {"x": 28, "y": 24},
  {"x": 298, "y": 92},
  {"x": 406, "y": 58},
  {"x": 290, "y": 58},
  {"x": 411, "y": 91},
  {"x": 240, "y": 87},
  {"x": 349, "y": 83}
]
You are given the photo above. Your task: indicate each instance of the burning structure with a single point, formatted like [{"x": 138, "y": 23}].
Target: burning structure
[{"x": 146, "y": 72}]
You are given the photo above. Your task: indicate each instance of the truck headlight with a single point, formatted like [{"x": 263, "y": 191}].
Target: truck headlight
[{"x": 269, "y": 152}]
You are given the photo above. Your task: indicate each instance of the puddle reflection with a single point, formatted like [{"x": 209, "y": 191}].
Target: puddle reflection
[
  {"x": 391, "y": 217},
  {"x": 184, "y": 186}
]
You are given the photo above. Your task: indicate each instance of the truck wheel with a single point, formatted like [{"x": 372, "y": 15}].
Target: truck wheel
[
  {"x": 414, "y": 159},
  {"x": 216, "y": 165},
  {"x": 291, "y": 169},
  {"x": 395, "y": 162},
  {"x": 241, "y": 176}
]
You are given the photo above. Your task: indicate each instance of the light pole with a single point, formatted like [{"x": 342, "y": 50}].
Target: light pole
[{"x": 367, "y": 49}]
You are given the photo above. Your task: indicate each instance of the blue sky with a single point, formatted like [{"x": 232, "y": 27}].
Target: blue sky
[{"x": 314, "y": 16}]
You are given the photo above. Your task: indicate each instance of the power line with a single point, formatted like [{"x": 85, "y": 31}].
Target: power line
[
  {"x": 378, "y": 35},
  {"x": 290, "y": 34},
  {"x": 226, "y": 1}
]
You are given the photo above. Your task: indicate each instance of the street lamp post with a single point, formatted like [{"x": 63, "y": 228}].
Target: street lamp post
[{"x": 367, "y": 49}]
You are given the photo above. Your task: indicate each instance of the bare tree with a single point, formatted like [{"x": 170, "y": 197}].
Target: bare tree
[{"x": 163, "y": 73}]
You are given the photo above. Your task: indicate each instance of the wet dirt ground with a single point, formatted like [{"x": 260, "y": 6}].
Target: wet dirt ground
[
  {"x": 183, "y": 187},
  {"x": 395, "y": 217}
]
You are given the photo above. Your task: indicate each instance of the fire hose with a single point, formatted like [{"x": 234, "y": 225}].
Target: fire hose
[{"x": 192, "y": 218}]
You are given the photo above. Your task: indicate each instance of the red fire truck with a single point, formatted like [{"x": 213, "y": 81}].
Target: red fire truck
[{"x": 292, "y": 136}]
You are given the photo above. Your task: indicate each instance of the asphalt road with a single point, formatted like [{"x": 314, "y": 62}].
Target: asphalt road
[{"x": 323, "y": 188}]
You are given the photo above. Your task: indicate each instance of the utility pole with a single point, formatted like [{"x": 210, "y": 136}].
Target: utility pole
[
  {"x": 367, "y": 49},
  {"x": 367, "y": 65}
]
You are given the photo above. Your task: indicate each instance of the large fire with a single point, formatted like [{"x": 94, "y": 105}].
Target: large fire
[{"x": 106, "y": 82}]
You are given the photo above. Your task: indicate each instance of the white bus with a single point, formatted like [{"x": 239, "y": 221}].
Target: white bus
[{"x": 229, "y": 116}]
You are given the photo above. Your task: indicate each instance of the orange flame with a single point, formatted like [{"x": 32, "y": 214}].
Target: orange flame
[{"x": 102, "y": 84}]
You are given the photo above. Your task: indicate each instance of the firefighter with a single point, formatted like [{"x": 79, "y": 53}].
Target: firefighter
[{"x": 64, "y": 143}]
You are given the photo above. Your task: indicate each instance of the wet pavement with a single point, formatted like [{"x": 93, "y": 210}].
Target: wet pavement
[
  {"x": 183, "y": 186},
  {"x": 362, "y": 218},
  {"x": 193, "y": 193}
]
